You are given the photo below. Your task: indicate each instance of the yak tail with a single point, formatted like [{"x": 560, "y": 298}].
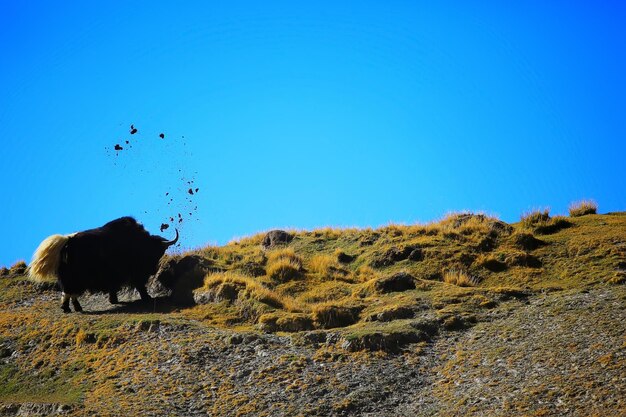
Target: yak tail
[{"x": 44, "y": 266}]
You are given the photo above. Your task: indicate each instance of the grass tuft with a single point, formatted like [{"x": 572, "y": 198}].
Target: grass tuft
[
  {"x": 554, "y": 225},
  {"x": 365, "y": 273},
  {"x": 284, "y": 265},
  {"x": 536, "y": 217},
  {"x": 459, "y": 278},
  {"x": 582, "y": 208},
  {"x": 327, "y": 267},
  {"x": 329, "y": 315},
  {"x": 285, "y": 322},
  {"x": 284, "y": 270},
  {"x": 491, "y": 262},
  {"x": 18, "y": 268},
  {"x": 241, "y": 286}
]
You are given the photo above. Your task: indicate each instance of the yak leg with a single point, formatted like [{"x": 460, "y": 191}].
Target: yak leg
[
  {"x": 113, "y": 297},
  {"x": 65, "y": 302},
  {"x": 76, "y": 304},
  {"x": 143, "y": 293}
]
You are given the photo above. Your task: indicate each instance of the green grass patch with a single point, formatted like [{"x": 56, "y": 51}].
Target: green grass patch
[{"x": 47, "y": 385}]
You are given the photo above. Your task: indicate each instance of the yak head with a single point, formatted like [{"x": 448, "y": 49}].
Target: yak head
[{"x": 156, "y": 249}]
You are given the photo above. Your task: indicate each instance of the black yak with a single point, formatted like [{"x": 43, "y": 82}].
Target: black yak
[{"x": 120, "y": 253}]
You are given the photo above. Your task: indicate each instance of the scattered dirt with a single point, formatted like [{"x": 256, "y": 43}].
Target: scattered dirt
[
  {"x": 164, "y": 226},
  {"x": 179, "y": 196}
]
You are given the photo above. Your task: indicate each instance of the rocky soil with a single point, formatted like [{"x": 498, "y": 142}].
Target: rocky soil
[{"x": 555, "y": 354}]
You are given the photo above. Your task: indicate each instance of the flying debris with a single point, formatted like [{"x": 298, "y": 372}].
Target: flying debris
[{"x": 180, "y": 193}]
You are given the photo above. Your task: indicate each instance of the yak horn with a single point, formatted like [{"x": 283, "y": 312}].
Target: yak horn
[{"x": 169, "y": 243}]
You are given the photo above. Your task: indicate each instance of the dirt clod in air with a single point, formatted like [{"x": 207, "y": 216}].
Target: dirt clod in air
[
  {"x": 197, "y": 189},
  {"x": 118, "y": 147},
  {"x": 164, "y": 226},
  {"x": 132, "y": 129},
  {"x": 190, "y": 191},
  {"x": 162, "y": 136}
]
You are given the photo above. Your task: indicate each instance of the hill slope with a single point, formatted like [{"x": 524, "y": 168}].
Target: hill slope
[{"x": 466, "y": 316}]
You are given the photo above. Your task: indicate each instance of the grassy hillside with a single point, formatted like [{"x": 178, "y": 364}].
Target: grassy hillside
[{"x": 342, "y": 322}]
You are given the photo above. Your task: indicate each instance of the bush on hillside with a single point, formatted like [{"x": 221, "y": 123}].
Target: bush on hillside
[
  {"x": 535, "y": 217},
  {"x": 582, "y": 208},
  {"x": 460, "y": 278}
]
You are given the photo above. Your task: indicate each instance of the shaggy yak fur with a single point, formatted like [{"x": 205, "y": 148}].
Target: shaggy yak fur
[{"x": 119, "y": 254}]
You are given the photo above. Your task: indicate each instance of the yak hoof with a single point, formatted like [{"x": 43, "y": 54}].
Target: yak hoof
[
  {"x": 76, "y": 305},
  {"x": 145, "y": 297},
  {"x": 66, "y": 309}
]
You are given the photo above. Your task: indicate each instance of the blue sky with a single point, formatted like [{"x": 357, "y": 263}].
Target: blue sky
[{"x": 286, "y": 114}]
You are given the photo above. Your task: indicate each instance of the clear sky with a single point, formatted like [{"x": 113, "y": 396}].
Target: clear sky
[{"x": 304, "y": 114}]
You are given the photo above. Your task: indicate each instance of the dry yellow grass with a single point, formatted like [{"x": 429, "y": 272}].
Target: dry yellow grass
[
  {"x": 491, "y": 262},
  {"x": 535, "y": 217},
  {"x": 329, "y": 315},
  {"x": 283, "y": 264},
  {"x": 393, "y": 229},
  {"x": 251, "y": 289},
  {"x": 465, "y": 223},
  {"x": 322, "y": 263},
  {"x": 252, "y": 240},
  {"x": 284, "y": 270},
  {"x": 365, "y": 273},
  {"x": 81, "y": 337},
  {"x": 284, "y": 254},
  {"x": 327, "y": 232},
  {"x": 459, "y": 278},
  {"x": 325, "y": 291},
  {"x": 327, "y": 267},
  {"x": 285, "y": 322},
  {"x": 581, "y": 208}
]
